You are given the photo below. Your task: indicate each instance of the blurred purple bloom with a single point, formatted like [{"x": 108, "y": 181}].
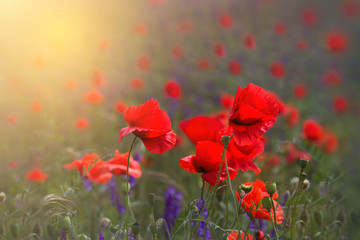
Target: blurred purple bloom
[
  {"x": 114, "y": 196},
  {"x": 172, "y": 205},
  {"x": 87, "y": 184},
  {"x": 101, "y": 237},
  {"x": 63, "y": 235},
  {"x": 201, "y": 231}
]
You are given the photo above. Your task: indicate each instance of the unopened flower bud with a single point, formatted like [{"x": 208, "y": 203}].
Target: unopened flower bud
[
  {"x": 195, "y": 209},
  {"x": 225, "y": 140},
  {"x": 151, "y": 199},
  {"x": 303, "y": 162},
  {"x": 65, "y": 223},
  {"x": 266, "y": 202},
  {"x": 14, "y": 229},
  {"x": 154, "y": 228},
  {"x": 135, "y": 229},
  {"x": 306, "y": 184},
  {"x": 270, "y": 188},
  {"x": 2, "y": 197},
  {"x": 123, "y": 187},
  {"x": 104, "y": 223},
  {"x": 340, "y": 216},
  {"x": 246, "y": 188}
]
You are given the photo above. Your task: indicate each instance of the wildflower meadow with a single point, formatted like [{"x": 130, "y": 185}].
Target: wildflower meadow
[{"x": 179, "y": 119}]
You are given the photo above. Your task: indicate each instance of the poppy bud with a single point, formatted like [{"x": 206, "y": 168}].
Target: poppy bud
[
  {"x": 266, "y": 202},
  {"x": 65, "y": 223},
  {"x": 36, "y": 229},
  {"x": 2, "y": 197},
  {"x": 303, "y": 162},
  {"x": 123, "y": 187},
  {"x": 14, "y": 229},
  {"x": 340, "y": 216},
  {"x": 304, "y": 216},
  {"x": 306, "y": 184},
  {"x": 195, "y": 209},
  {"x": 154, "y": 228},
  {"x": 319, "y": 217},
  {"x": 151, "y": 199},
  {"x": 259, "y": 235},
  {"x": 246, "y": 189},
  {"x": 225, "y": 140},
  {"x": 136, "y": 228},
  {"x": 270, "y": 188},
  {"x": 52, "y": 231}
]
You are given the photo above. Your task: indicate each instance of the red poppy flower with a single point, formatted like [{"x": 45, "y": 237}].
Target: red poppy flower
[
  {"x": 350, "y": 8},
  {"x": 185, "y": 27},
  {"x": 204, "y": 64},
  {"x": 243, "y": 236},
  {"x": 219, "y": 50},
  {"x": 98, "y": 79},
  {"x": 144, "y": 63},
  {"x": 330, "y": 142},
  {"x": 255, "y": 197},
  {"x": 201, "y": 128},
  {"x": 331, "y": 78},
  {"x": 152, "y": 125},
  {"x": 250, "y": 41},
  {"x": 118, "y": 165},
  {"x": 94, "y": 97},
  {"x": 88, "y": 160},
  {"x": 11, "y": 119},
  {"x": 309, "y": 17},
  {"x": 302, "y": 44},
  {"x": 226, "y": 20},
  {"x": 336, "y": 42},
  {"x": 36, "y": 106},
  {"x": 207, "y": 161},
  {"x": 277, "y": 70},
  {"x": 280, "y": 28},
  {"x": 292, "y": 115},
  {"x": 71, "y": 84},
  {"x": 99, "y": 173},
  {"x": 36, "y": 175},
  {"x": 312, "y": 131},
  {"x": 340, "y": 104},
  {"x": 137, "y": 83},
  {"x": 282, "y": 106},
  {"x": 13, "y": 164},
  {"x": 234, "y": 67},
  {"x": 177, "y": 52},
  {"x": 293, "y": 154},
  {"x": 82, "y": 123},
  {"x": 227, "y": 100},
  {"x": 141, "y": 29},
  {"x": 120, "y": 106},
  {"x": 104, "y": 44},
  {"x": 253, "y": 113},
  {"x": 300, "y": 91},
  {"x": 172, "y": 89}
]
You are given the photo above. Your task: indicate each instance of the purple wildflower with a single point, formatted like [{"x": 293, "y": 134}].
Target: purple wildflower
[
  {"x": 172, "y": 205},
  {"x": 87, "y": 184},
  {"x": 63, "y": 235},
  {"x": 201, "y": 231},
  {"x": 114, "y": 196},
  {"x": 101, "y": 237}
]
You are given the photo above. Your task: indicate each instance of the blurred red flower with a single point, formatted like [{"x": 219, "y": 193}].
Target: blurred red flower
[
  {"x": 13, "y": 164},
  {"x": 253, "y": 113},
  {"x": 293, "y": 154},
  {"x": 234, "y": 67},
  {"x": 243, "y": 236},
  {"x": 173, "y": 89},
  {"x": 94, "y": 97},
  {"x": 280, "y": 28},
  {"x": 144, "y": 63},
  {"x": 11, "y": 119},
  {"x": 82, "y": 123},
  {"x": 177, "y": 52},
  {"x": 340, "y": 104},
  {"x": 249, "y": 41},
  {"x": 336, "y": 42},
  {"x": 277, "y": 70},
  {"x": 207, "y": 161},
  {"x": 226, "y": 20},
  {"x": 330, "y": 142},
  {"x": 185, "y": 27},
  {"x": 152, "y": 125},
  {"x": 350, "y": 8},
  {"x": 98, "y": 79},
  {"x": 219, "y": 50},
  {"x": 36, "y": 106},
  {"x": 140, "y": 29},
  {"x": 281, "y": 104},
  {"x": 204, "y": 64},
  {"x": 255, "y": 197},
  {"x": 309, "y": 16},
  {"x": 36, "y": 175},
  {"x": 300, "y": 91},
  {"x": 227, "y": 100},
  {"x": 302, "y": 44},
  {"x": 332, "y": 77},
  {"x": 120, "y": 106},
  {"x": 137, "y": 83},
  {"x": 118, "y": 165},
  {"x": 292, "y": 115},
  {"x": 312, "y": 131}
]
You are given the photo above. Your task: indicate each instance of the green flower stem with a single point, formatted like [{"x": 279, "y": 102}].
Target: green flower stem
[
  {"x": 274, "y": 226},
  {"x": 292, "y": 229},
  {"x": 275, "y": 222},
  {"x": 127, "y": 192}
]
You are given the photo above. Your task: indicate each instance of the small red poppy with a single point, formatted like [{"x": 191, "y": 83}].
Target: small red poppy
[
  {"x": 336, "y": 42},
  {"x": 332, "y": 77},
  {"x": 341, "y": 104},
  {"x": 277, "y": 70},
  {"x": 137, "y": 83},
  {"x": 234, "y": 67},
  {"x": 36, "y": 106},
  {"x": 249, "y": 41},
  {"x": 120, "y": 106},
  {"x": 152, "y": 125},
  {"x": 309, "y": 17},
  {"x": 253, "y": 113},
  {"x": 172, "y": 89},
  {"x": 350, "y": 8},
  {"x": 227, "y": 100},
  {"x": 177, "y": 52},
  {"x": 302, "y": 44},
  {"x": 118, "y": 165},
  {"x": 94, "y": 97},
  {"x": 36, "y": 175},
  {"x": 312, "y": 131},
  {"x": 11, "y": 119},
  {"x": 226, "y": 20},
  {"x": 280, "y": 28},
  {"x": 82, "y": 123},
  {"x": 144, "y": 63},
  {"x": 243, "y": 236},
  {"x": 300, "y": 91},
  {"x": 292, "y": 115},
  {"x": 219, "y": 50}
]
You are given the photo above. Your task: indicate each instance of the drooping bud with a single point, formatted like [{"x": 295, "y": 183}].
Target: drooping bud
[
  {"x": 65, "y": 223},
  {"x": 270, "y": 188},
  {"x": 37, "y": 229},
  {"x": 135, "y": 229},
  {"x": 266, "y": 202},
  {"x": 303, "y": 162},
  {"x": 154, "y": 228}
]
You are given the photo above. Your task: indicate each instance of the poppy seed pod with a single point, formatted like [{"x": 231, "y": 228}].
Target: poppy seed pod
[
  {"x": 225, "y": 140},
  {"x": 266, "y": 202},
  {"x": 303, "y": 162},
  {"x": 271, "y": 188},
  {"x": 65, "y": 223},
  {"x": 154, "y": 228}
]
